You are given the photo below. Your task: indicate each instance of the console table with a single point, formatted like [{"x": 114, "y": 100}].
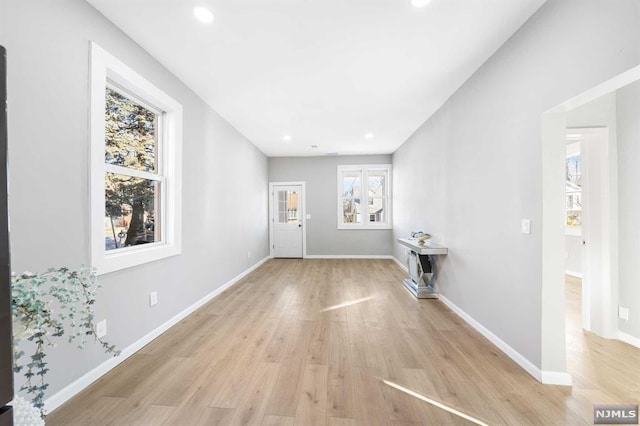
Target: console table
[{"x": 421, "y": 267}]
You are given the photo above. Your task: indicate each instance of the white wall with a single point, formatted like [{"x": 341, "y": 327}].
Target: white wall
[
  {"x": 320, "y": 175},
  {"x": 224, "y": 205},
  {"x": 628, "y": 113},
  {"x": 474, "y": 169}
]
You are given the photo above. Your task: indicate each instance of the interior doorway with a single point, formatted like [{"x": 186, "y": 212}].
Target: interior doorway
[
  {"x": 554, "y": 128},
  {"x": 287, "y": 230}
]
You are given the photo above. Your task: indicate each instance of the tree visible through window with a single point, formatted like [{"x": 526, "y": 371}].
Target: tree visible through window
[
  {"x": 136, "y": 167},
  {"x": 132, "y": 182}
]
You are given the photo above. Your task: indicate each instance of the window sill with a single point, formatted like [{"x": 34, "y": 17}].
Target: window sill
[{"x": 128, "y": 258}]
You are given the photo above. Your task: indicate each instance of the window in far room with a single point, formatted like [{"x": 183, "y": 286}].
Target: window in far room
[
  {"x": 364, "y": 196},
  {"x": 573, "y": 185}
]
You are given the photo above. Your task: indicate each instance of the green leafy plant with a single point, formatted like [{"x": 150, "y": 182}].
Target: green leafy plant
[{"x": 46, "y": 306}]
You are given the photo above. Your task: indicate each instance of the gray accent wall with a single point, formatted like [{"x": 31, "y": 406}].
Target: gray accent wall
[
  {"x": 320, "y": 177},
  {"x": 628, "y": 114},
  {"x": 473, "y": 171},
  {"x": 224, "y": 177}
]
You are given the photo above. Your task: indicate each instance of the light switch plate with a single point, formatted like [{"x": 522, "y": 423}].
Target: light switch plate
[
  {"x": 101, "y": 329},
  {"x": 153, "y": 298},
  {"x": 623, "y": 313},
  {"x": 308, "y": 216},
  {"x": 526, "y": 226}
]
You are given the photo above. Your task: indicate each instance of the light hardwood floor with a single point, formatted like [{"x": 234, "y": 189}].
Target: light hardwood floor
[{"x": 267, "y": 352}]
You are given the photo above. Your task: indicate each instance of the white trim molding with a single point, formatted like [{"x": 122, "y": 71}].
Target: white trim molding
[
  {"x": 348, "y": 256},
  {"x": 71, "y": 390},
  {"x": 557, "y": 378},
  {"x": 546, "y": 377},
  {"x": 627, "y": 338},
  {"x": 401, "y": 265}
]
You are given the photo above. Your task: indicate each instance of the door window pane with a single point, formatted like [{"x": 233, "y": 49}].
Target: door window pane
[
  {"x": 131, "y": 205},
  {"x": 288, "y": 206}
]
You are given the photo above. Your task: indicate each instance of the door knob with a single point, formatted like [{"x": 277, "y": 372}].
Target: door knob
[{"x": 299, "y": 225}]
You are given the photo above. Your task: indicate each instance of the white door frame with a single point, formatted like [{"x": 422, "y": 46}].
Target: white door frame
[
  {"x": 303, "y": 219},
  {"x": 554, "y": 126}
]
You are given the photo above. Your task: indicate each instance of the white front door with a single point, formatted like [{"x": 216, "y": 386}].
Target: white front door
[{"x": 286, "y": 220}]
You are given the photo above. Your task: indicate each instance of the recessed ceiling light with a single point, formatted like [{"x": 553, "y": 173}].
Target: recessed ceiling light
[
  {"x": 203, "y": 14},
  {"x": 368, "y": 136},
  {"x": 420, "y": 3},
  {"x": 286, "y": 138}
]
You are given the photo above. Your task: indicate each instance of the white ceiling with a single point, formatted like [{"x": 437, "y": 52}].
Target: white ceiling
[{"x": 325, "y": 72}]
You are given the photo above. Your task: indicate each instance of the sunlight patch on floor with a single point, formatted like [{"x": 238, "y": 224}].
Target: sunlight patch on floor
[
  {"x": 433, "y": 402},
  {"x": 345, "y": 304}
]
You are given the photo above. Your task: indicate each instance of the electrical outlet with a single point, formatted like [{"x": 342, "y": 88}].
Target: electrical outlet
[
  {"x": 623, "y": 313},
  {"x": 308, "y": 217},
  {"x": 248, "y": 255},
  {"x": 101, "y": 328},
  {"x": 153, "y": 298},
  {"x": 526, "y": 226}
]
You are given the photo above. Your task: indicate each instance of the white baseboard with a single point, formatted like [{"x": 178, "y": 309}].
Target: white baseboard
[
  {"x": 68, "y": 392},
  {"x": 627, "y": 338},
  {"x": 573, "y": 274},
  {"x": 558, "y": 378},
  {"x": 546, "y": 377},
  {"x": 401, "y": 265},
  {"x": 348, "y": 256}
]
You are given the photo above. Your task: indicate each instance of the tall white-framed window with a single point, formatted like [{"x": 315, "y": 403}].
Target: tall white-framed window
[
  {"x": 364, "y": 196},
  {"x": 136, "y": 157}
]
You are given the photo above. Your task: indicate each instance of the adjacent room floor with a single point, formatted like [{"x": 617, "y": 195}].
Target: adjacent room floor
[
  {"x": 606, "y": 370},
  {"x": 341, "y": 342}
]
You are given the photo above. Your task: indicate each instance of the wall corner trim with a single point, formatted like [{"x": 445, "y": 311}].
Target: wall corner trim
[
  {"x": 558, "y": 378},
  {"x": 72, "y": 389},
  {"x": 546, "y": 377},
  {"x": 627, "y": 338}
]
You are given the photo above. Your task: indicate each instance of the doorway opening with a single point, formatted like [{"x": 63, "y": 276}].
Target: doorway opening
[{"x": 554, "y": 131}]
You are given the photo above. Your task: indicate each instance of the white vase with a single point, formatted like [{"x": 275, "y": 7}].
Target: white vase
[{"x": 24, "y": 413}]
